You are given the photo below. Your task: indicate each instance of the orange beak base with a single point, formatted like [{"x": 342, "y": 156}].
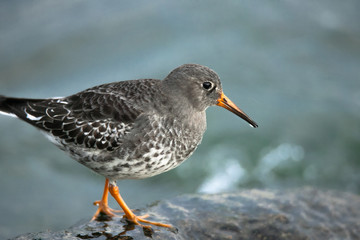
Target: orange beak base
[{"x": 226, "y": 103}]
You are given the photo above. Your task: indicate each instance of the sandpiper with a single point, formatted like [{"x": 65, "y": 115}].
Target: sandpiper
[{"x": 130, "y": 129}]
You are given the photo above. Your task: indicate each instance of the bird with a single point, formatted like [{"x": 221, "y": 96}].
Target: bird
[{"x": 131, "y": 129}]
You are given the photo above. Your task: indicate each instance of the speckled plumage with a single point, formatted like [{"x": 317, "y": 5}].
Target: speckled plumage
[{"x": 129, "y": 129}]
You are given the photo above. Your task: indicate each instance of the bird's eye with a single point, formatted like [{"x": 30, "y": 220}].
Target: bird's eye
[{"x": 207, "y": 85}]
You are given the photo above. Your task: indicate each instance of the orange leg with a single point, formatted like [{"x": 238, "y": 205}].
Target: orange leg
[
  {"x": 103, "y": 206},
  {"x": 129, "y": 215}
]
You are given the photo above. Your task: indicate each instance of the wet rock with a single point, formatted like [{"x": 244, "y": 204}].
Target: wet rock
[{"x": 250, "y": 214}]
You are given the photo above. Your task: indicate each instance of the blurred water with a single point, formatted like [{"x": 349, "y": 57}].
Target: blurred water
[{"x": 293, "y": 66}]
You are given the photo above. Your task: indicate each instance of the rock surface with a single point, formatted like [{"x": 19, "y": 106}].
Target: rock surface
[{"x": 250, "y": 214}]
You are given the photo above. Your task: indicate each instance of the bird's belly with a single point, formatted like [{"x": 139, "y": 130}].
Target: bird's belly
[
  {"x": 147, "y": 159},
  {"x": 163, "y": 144},
  {"x": 152, "y": 162},
  {"x": 154, "y": 150}
]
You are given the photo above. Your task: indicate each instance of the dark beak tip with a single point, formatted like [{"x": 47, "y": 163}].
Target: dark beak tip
[{"x": 229, "y": 105}]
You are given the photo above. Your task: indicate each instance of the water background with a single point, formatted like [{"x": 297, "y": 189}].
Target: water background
[{"x": 293, "y": 66}]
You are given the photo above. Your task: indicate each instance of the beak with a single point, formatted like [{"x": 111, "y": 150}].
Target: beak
[{"x": 226, "y": 103}]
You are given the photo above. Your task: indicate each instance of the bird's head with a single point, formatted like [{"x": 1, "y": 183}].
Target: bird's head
[{"x": 201, "y": 88}]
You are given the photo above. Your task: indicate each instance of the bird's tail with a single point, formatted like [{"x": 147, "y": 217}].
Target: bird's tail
[
  {"x": 15, "y": 107},
  {"x": 4, "y": 106}
]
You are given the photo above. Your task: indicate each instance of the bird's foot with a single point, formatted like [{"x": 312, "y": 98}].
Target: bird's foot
[
  {"x": 137, "y": 220},
  {"x": 104, "y": 209},
  {"x": 129, "y": 215}
]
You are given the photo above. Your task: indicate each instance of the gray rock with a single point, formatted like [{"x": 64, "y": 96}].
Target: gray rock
[{"x": 250, "y": 214}]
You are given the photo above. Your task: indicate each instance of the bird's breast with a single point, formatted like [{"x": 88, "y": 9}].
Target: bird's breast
[{"x": 158, "y": 145}]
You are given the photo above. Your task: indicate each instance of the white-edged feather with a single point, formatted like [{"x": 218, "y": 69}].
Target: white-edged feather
[
  {"x": 8, "y": 114},
  {"x": 32, "y": 118},
  {"x": 60, "y": 100}
]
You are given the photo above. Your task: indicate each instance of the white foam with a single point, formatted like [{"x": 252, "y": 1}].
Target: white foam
[{"x": 225, "y": 178}]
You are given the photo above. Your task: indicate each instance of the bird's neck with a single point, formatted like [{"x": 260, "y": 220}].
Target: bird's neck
[{"x": 177, "y": 106}]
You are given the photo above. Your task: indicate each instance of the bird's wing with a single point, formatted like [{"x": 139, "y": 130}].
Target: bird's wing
[{"x": 96, "y": 118}]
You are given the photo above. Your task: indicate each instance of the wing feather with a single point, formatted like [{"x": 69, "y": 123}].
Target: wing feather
[{"x": 98, "y": 117}]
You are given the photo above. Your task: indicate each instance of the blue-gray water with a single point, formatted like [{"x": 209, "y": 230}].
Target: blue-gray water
[{"x": 293, "y": 66}]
